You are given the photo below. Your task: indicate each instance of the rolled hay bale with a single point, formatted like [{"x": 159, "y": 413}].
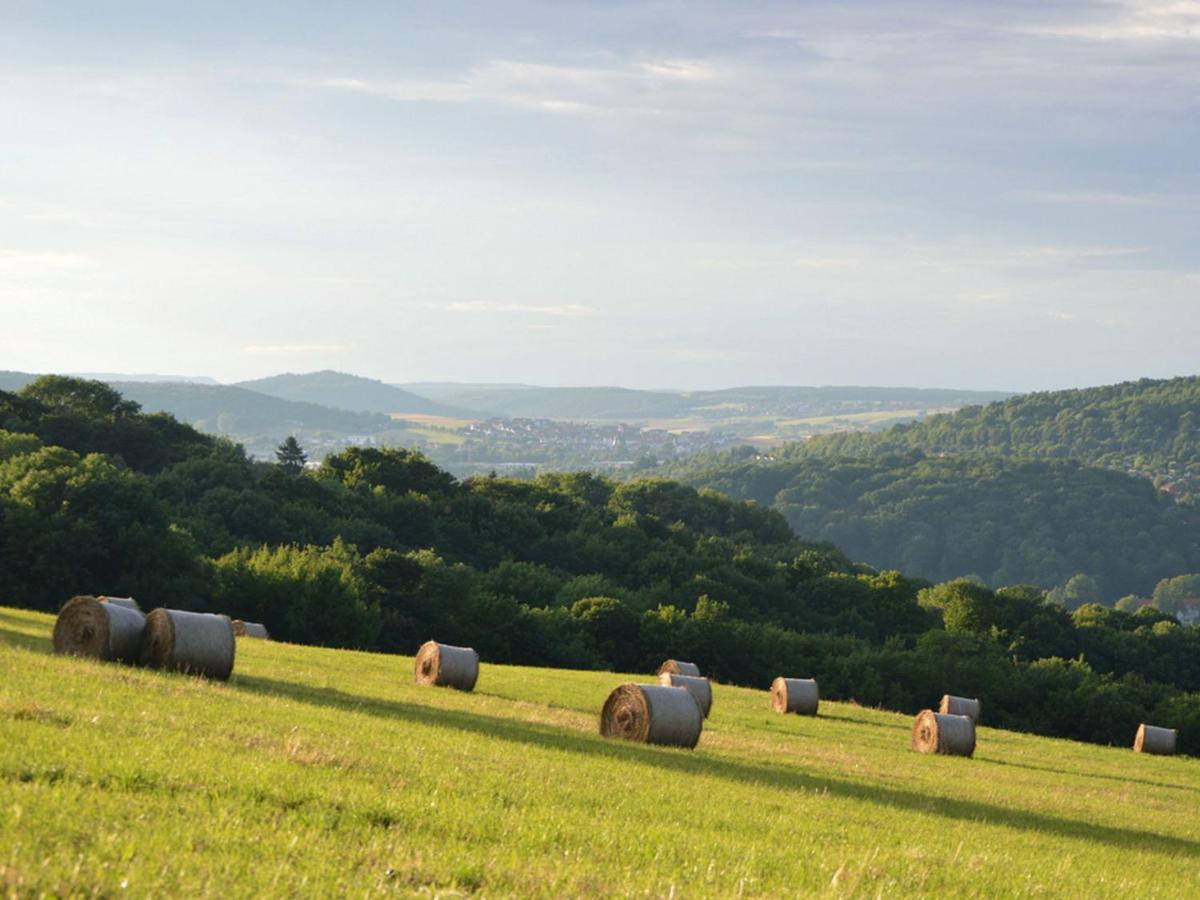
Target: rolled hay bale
[
  {"x": 795, "y": 695},
  {"x": 250, "y": 629},
  {"x": 87, "y": 626},
  {"x": 445, "y": 665},
  {"x": 943, "y": 733},
  {"x": 1152, "y": 739},
  {"x": 127, "y": 602},
  {"x": 652, "y": 714},
  {"x": 675, "y": 667},
  {"x": 196, "y": 643},
  {"x": 697, "y": 685},
  {"x": 960, "y": 706}
]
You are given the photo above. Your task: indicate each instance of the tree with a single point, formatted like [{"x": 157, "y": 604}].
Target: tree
[{"x": 291, "y": 456}]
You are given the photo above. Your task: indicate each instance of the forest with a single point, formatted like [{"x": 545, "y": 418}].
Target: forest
[
  {"x": 1149, "y": 427},
  {"x": 381, "y": 549},
  {"x": 1003, "y": 521}
]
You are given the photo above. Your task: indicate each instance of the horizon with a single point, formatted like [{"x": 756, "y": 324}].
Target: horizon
[
  {"x": 924, "y": 194},
  {"x": 204, "y": 378}
]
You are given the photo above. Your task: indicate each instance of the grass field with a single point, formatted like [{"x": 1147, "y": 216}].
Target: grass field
[{"x": 319, "y": 772}]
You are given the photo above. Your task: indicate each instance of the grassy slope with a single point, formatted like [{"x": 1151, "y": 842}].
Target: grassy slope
[{"x": 327, "y": 772}]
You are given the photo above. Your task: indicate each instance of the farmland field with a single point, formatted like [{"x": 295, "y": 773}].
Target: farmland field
[{"x": 324, "y": 772}]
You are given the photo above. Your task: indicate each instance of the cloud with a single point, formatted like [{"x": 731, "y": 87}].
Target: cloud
[
  {"x": 641, "y": 87},
  {"x": 1111, "y": 199},
  {"x": 1131, "y": 21},
  {"x": 296, "y": 348},
  {"x": 564, "y": 310},
  {"x": 15, "y": 259}
]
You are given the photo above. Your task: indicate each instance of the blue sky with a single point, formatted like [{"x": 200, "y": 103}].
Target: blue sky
[{"x": 655, "y": 194}]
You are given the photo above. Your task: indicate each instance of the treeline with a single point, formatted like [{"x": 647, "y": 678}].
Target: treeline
[
  {"x": 1147, "y": 426},
  {"x": 1004, "y": 521},
  {"x": 382, "y": 550}
]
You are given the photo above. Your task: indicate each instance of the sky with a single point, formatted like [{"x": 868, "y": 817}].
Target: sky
[{"x": 646, "y": 194}]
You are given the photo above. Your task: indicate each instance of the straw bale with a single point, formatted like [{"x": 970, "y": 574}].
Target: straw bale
[
  {"x": 197, "y": 643},
  {"x": 943, "y": 733},
  {"x": 445, "y": 665},
  {"x": 652, "y": 714},
  {"x": 795, "y": 695},
  {"x": 87, "y": 626}
]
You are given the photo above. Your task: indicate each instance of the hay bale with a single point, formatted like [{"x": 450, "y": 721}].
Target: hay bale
[
  {"x": 445, "y": 665},
  {"x": 943, "y": 733},
  {"x": 1152, "y": 739},
  {"x": 697, "y": 685},
  {"x": 250, "y": 629},
  {"x": 652, "y": 714},
  {"x": 675, "y": 667},
  {"x": 197, "y": 643},
  {"x": 87, "y": 626},
  {"x": 960, "y": 706},
  {"x": 795, "y": 695},
  {"x": 127, "y": 602}
]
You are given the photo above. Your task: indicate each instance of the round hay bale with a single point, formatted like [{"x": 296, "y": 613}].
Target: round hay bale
[
  {"x": 445, "y": 665},
  {"x": 196, "y": 643},
  {"x": 960, "y": 706},
  {"x": 697, "y": 685},
  {"x": 1152, "y": 739},
  {"x": 943, "y": 733},
  {"x": 127, "y": 602},
  {"x": 87, "y": 626},
  {"x": 795, "y": 695},
  {"x": 652, "y": 714},
  {"x": 675, "y": 667},
  {"x": 250, "y": 629}
]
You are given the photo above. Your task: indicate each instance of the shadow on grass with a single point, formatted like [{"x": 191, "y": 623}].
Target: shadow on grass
[
  {"x": 833, "y": 717},
  {"x": 1120, "y": 779},
  {"x": 26, "y": 641},
  {"x": 530, "y": 733}
]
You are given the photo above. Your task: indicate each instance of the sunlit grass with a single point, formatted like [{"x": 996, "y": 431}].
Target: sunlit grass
[{"x": 322, "y": 772}]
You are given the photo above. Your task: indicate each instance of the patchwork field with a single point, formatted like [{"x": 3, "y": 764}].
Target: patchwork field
[{"x": 323, "y": 772}]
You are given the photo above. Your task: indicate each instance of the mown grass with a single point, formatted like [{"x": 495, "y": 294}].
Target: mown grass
[{"x": 322, "y": 772}]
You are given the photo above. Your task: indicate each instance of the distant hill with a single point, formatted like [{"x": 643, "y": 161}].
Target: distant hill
[
  {"x": 1148, "y": 426},
  {"x": 567, "y": 402},
  {"x": 14, "y": 381},
  {"x": 526, "y": 401},
  {"x": 350, "y": 392},
  {"x": 111, "y": 377},
  {"x": 236, "y": 411}
]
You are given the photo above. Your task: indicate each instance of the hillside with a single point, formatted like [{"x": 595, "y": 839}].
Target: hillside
[
  {"x": 124, "y": 780},
  {"x": 350, "y": 392},
  {"x": 1148, "y": 426},
  {"x": 1005, "y": 521},
  {"x": 226, "y": 409}
]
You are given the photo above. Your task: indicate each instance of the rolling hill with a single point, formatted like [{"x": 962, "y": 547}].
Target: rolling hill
[
  {"x": 640, "y": 405},
  {"x": 232, "y": 410},
  {"x": 324, "y": 772},
  {"x": 351, "y": 392},
  {"x": 1148, "y": 426}
]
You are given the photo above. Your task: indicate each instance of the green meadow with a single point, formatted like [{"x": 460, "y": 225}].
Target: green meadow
[{"x": 317, "y": 772}]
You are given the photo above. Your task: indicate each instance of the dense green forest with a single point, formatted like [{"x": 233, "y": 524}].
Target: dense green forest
[
  {"x": 381, "y": 549},
  {"x": 1150, "y": 427},
  {"x": 1005, "y": 521}
]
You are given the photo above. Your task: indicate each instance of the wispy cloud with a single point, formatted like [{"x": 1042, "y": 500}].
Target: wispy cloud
[
  {"x": 13, "y": 259},
  {"x": 641, "y": 87},
  {"x": 296, "y": 348},
  {"x": 564, "y": 310},
  {"x": 1132, "y": 20},
  {"x": 1111, "y": 199}
]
